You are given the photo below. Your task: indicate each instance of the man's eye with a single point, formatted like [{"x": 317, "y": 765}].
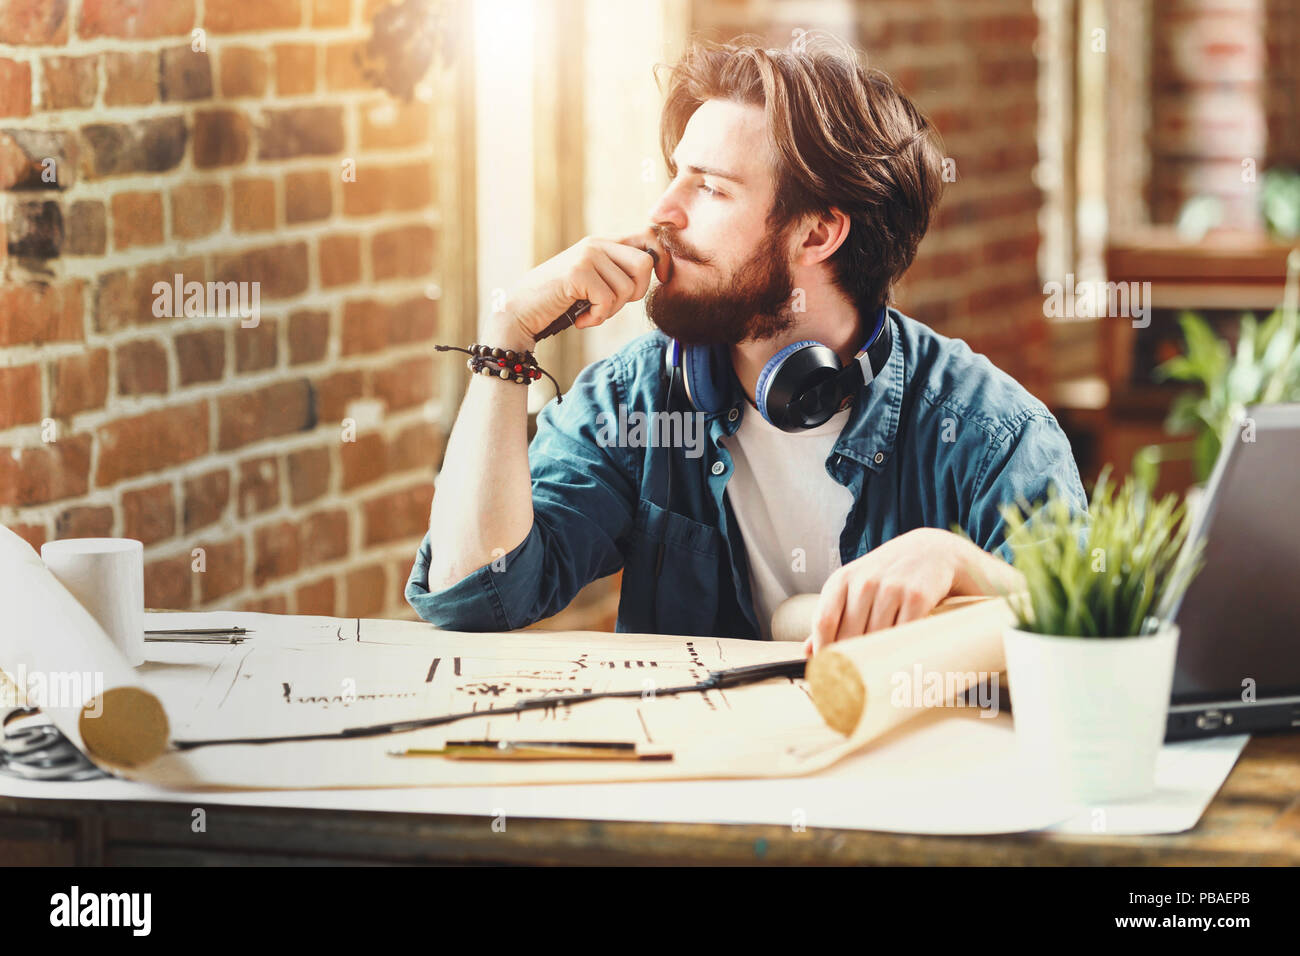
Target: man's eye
[{"x": 709, "y": 190}]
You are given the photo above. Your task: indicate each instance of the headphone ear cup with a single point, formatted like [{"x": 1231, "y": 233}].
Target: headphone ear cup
[
  {"x": 703, "y": 375},
  {"x": 782, "y": 393},
  {"x": 769, "y": 375}
]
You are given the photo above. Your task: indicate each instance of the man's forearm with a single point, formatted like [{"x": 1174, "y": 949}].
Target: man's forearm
[
  {"x": 483, "y": 503},
  {"x": 982, "y": 573}
]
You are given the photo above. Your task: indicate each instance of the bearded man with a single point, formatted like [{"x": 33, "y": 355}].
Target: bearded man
[{"x": 845, "y": 441}]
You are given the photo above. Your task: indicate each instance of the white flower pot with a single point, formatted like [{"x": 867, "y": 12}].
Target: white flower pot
[{"x": 1090, "y": 712}]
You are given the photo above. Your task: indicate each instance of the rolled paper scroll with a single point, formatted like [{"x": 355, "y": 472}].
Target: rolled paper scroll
[
  {"x": 865, "y": 686},
  {"x": 64, "y": 663}
]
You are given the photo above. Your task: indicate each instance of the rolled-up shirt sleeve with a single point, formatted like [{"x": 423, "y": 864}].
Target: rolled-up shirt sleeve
[
  {"x": 1020, "y": 470},
  {"x": 584, "y": 503}
]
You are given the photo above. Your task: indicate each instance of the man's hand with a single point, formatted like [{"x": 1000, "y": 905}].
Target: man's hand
[
  {"x": 608, "y": 273},
  {"x": 900, "y": 581}
]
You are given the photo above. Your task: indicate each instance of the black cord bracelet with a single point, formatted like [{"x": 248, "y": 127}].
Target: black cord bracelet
[{"x": 509, "y": 365}]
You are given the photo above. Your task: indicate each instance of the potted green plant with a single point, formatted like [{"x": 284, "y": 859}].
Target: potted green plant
[
  {"x": 1263, "y": 369},
  {"x": 1090, "y": 659}
]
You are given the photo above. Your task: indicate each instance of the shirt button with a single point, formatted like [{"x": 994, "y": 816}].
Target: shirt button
[
  {"x": 733, "y": 414},
  {"x": 880, "y": 456},
  {"x": 719, "y": 467}
]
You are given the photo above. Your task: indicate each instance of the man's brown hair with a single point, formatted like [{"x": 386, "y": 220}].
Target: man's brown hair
[{"x": 843, "y": 136}]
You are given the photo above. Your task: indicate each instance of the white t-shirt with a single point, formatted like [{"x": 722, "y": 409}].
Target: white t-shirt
[{"x": 790, "y": 510}]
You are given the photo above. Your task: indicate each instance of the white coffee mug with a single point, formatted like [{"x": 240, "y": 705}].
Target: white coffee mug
[{"x": 107, "y": 576}]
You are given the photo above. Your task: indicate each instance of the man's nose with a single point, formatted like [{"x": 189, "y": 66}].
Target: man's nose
[{"x": 668, "y": 211}]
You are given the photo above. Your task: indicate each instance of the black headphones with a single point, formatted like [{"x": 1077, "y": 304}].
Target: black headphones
[{"x": 800, "y": 387}]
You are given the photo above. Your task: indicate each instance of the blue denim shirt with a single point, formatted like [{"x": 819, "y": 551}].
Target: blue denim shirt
[{"x": 940, "y": 438}]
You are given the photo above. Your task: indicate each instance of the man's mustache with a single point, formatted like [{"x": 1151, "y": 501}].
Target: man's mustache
[{"x": 679, "y": 249}]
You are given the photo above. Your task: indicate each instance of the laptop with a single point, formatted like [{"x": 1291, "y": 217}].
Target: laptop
[{"x": 1238, "y": 662}]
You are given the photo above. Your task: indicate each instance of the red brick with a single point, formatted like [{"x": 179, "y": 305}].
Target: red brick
[
  {"x": 325, "y": 537},
  {"x": 300, "y": 131},
  {"x": 261, "y": 413},
  {"x": 137, "y": 219},
  {"x": 256, "y": 347},
  {"x": 307, "y": 196},
  {"x": 362, "y": 461},
  {"x": 35, "y": 313},
  {"x": 315, "y": 598},
  {"x": 135, "y": 19},
  {"x": 84, "y": 522},
  {"x": 206, "y": 497},
  {"x": 130, "y": 78},
  {"x": 341, "y": 69},
  {"x": 151, "y": 145},
  {"x": 309, "y": 332},
  {"x": 242, "y": 16},
  {"x": 168, "y": 584},
  {"x": 221, "y": 138},
  {"x": 282, "y": 270},
  {"x": 403, "y": 187},
  {"x": 367, "y": 592},
  {"x": 127, "y": 299},
  {"x": 275, "y": 550},
  {"x": 86, "y": 225},
  {"x": 335, "y": 392},
  {"x": 186, "y": 75},
  {"x": 295, "y": 68},
  {"x": 340, "y": 260},
  {"x": 47, "y": 472},
  {"x": 415, "y": 320},
  {"x": 309, "y": 474},
  {"x": 197, "y": 209},
  {"x": 141, "y": 368},
  {"x": 223, "y": 568},
  {"x": 404, "y": 252},
  {"x": 34, "y": 230},
  {"x": 259, "y": 485},
  {"x": 34, "y": 22},
  {"x": 69, "y": 82},
  {"x": 398, "y": 514},
  {"x": 331, "y": 13},
  {"x": 139, "y": 444},
  {"x": 149, "y": 514},
  {"x": 20, "y": 395},
  {"x": 201, "y": 356},
  {"x": 417, "y": 446},
  {"x": 404, "y": 384},
  {"x": 254, "y": 205},
  {"x": 243, "y": 72},
  {"x": 365, "y": 327},
  {"x": 79, "y": 382},
  {"x": 15, "y": 88}
]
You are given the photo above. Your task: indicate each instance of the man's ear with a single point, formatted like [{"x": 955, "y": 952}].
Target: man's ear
[{"x": 825, "y": 234}]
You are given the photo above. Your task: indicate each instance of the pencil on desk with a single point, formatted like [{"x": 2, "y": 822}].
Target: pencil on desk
[{"x": 535, "y": 750}]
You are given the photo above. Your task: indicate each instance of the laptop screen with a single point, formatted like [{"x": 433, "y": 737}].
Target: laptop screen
[{"x": 1239, "y": 621}]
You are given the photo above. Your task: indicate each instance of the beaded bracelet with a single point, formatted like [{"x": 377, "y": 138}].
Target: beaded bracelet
[{"x": 507, "y": 364}]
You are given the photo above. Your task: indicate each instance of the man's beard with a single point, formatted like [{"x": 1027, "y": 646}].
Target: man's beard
[{"x": 753, "y": 305}]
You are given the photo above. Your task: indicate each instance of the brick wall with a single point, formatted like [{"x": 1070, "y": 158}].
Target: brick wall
[
  {"x": 297, "y": 456},
  {"x": 1209, "y": 111},
  {"x": 970, "y": 66}
]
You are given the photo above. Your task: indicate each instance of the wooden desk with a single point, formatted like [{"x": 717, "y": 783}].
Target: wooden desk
[{"x": 1254, "y": 820}]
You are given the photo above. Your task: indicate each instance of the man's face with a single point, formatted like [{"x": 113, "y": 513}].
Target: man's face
[{"x": 731, "y": 278}]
